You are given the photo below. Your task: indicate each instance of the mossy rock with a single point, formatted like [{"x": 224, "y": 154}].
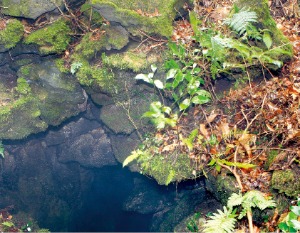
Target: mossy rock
[
  {"x": 166, "y": 170},
  {"x": 266, "y": 22},
  {"x": 41, "y": 96},
  {"x": 221, "y": 186},
  {"x": 287, "y": 182},
  {"x": 155, "y": 16},
  {"x": 11, "y": 35},
  {"x": 116, "y": 116},
  {"x": 52, "y": 39},
  {"x": 131, "y": 59},
  {"x": 29, "y": 8},
  {"x": 117, "y": 36}
]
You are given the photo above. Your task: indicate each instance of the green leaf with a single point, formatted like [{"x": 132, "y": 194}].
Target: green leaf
[
  {"x": 8, "y": 224},
  {"x": 75, "y": 66},
  {"x": 296, "y": 224},
  {"x": 158, "y": 84},
  {"x": 171, "y": 73},
  {"x": 134, "y": 155},
  {"x": 237, "y": 164},
  {"x": 267, "y": 39},
  {"x": 153, "y": 68},
  {"x": 171, "y": 64},
  {"x": 212, "y": 162},
  {"x": 296, "y": 210},
  {"x": 144, "y": 77},
  {"x": 184, "y": 104},
  {"x": 202, "y": 97},
  {"x": 166, "y": 109},
  {"x": 283, "y": 226},
  {"x": 178, "y": 79}
]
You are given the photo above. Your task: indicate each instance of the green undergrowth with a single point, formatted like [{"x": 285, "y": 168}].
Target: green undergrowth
[
  {"x": 52, "y": 39},
  {"x": 163, "y": 168},
  {"x": 12, "y": 34}
]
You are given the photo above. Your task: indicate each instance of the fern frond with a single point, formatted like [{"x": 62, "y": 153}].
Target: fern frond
[
  {"x": 221, "y": 222},
  {"x": 239, "y": 21}
]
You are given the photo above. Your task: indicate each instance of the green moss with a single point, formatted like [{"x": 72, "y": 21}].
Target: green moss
[
  {"x": 23, "y": 87},
  {"x": 54, "y": 38},
  {"x": 12, "y": 34},
  {"x": 126, "y": 13},
  {"x": 19, "y": 9},
  {"x": 287, "y": 182},
  {"x": 88, "y": 47},
  {"x": 165, "y": 169},
  {"x": 117, "y": 36},
  {"x": 267, "y": 22},
  {"x": 128, "y": 60},
  {"x": 92, "y": 17},
  {"x": 60, "y": 63}
]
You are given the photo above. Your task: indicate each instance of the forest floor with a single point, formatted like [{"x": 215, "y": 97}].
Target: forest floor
[{"x": 251, "y": 122}]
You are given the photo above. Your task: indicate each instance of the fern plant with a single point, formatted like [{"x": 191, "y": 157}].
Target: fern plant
[
  {"x": 221, "y": 222},
  {"x": 241, "y": 20},
  {"x": 224, "y": 222}
]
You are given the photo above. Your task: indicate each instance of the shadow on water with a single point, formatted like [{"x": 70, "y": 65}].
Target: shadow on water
[{"x": 102, "y": 208}]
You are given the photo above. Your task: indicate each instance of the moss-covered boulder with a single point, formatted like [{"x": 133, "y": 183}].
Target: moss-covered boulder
[
  {"x": 51, "y": 39},
  {"x": 29, "y": 8},
  {"x": 287, "y": 182},
  {"x": 221, "y": 186},
  {"x": 39, "y": 96},
  {"x": 281, "y": 48},
  {"x": 155, "y": 16},
  {"x": 11, "y": 34}
]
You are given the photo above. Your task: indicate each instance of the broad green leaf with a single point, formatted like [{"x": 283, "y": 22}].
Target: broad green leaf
[
  {"x": 283, "y": 226},
  {"x": 193, "y": 134},
  {"x": 296, "y": 210},
  {"x": 237, "y": 164},
  {"x": 196, "y": 70},
  {"x": 296, "y": 224},
  {"x": 200, "y": 99},
  {"x": 218, "y": 167},
  {"x": 171, "y": 121},
  {"x": 267, "y": 39},
  {"x": 156, "y": 106},
  {"x": 212, "y": 162},
  {"x": 184, "y": 104},
  {"x": 192, "y": 87},
  {"x": 159, "y": 122},
  {"x": 188, "y": 143},
  {"x": 134, "y": 155},
  {"x": 8, "y": 224},
  {"x": 144, "y": 77},
  {"x": 178, "y": 79},
  {"x": 166, "y": 109},
  {"x": 158, "y": 84},
  {"x": 171, "y": 73},
  {"x": 153, "y": 68},
  {"x": 171, "y": 64},
  {"x": 150, "y": 75}
]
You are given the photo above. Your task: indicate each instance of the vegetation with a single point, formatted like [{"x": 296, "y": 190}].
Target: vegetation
[
  {"x": 12, "y": 33},
  {"x": 54, "y": 38}
]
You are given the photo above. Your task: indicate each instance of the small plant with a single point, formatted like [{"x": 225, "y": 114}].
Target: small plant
[
  {"x": 192, "y": 224},
  {"x": 291, "y": 222},
  {"x": 224, "y": 222},
  {"x": 75, "y": 66},
  {"x": 161, "y": 115}
]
